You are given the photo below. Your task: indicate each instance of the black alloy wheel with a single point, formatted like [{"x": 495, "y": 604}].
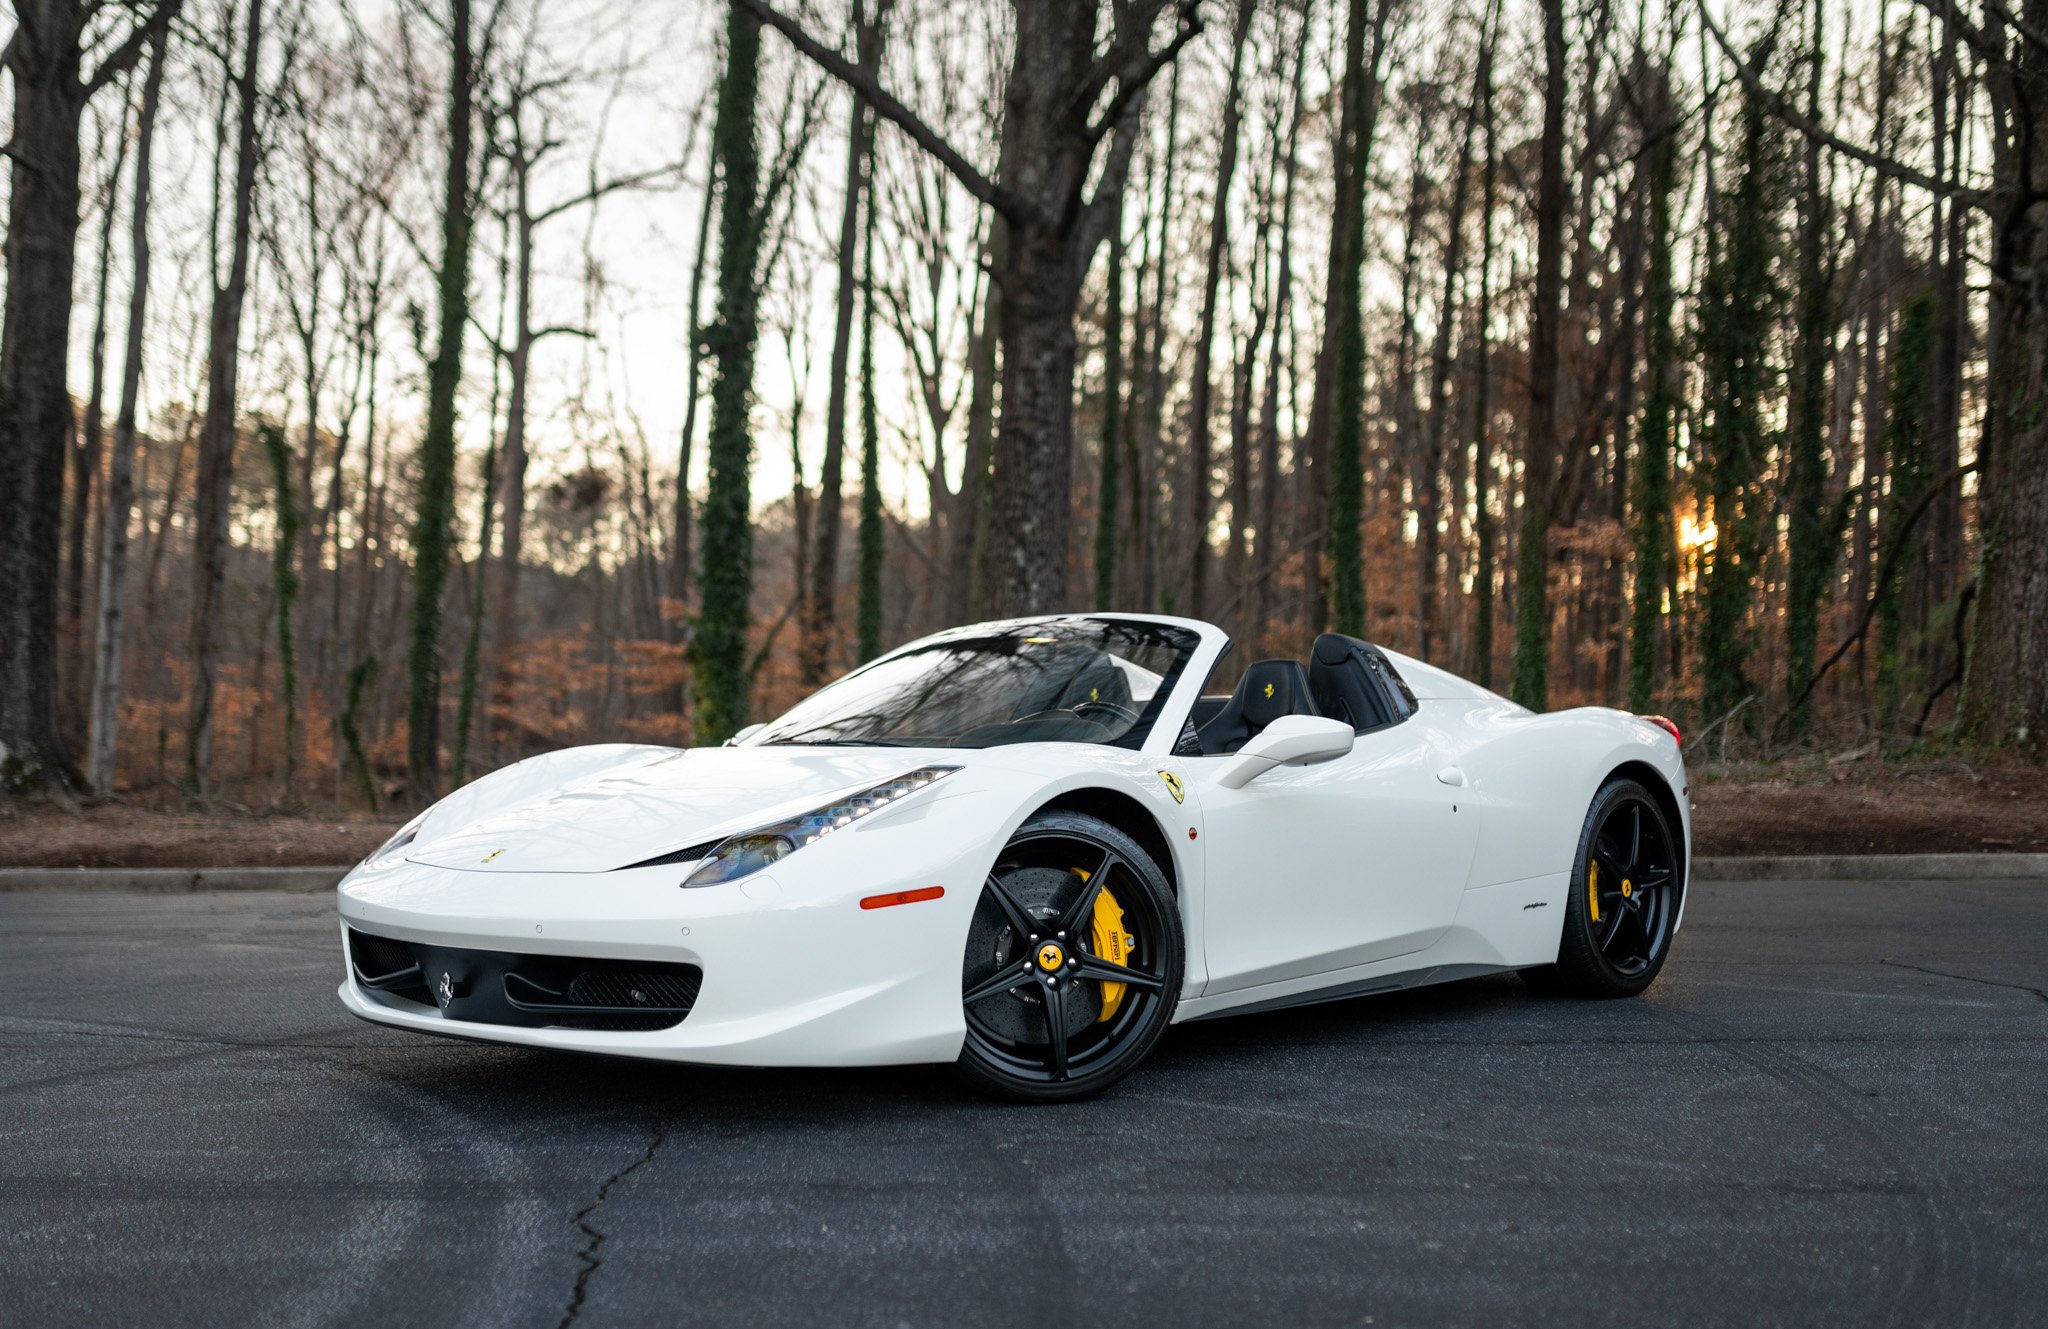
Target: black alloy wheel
[
  {"x": 1052, "y": 1012},
  {"x": 1625, "y": 892}
]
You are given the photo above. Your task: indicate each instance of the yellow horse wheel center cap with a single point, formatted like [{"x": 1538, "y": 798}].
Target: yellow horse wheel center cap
[
  {"x": 1628, "y": 888},
  {"x": 1051, "y": 957}
]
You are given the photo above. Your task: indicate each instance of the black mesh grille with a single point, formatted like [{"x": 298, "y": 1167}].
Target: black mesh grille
[
  {"x": 620, "y": 986},
  {"x": 380, "y": 960}
]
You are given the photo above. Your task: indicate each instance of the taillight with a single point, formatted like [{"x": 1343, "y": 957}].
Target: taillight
[{"x": 1666, "y": 725}]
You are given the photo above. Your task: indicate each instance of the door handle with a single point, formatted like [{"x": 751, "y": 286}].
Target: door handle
[{"x": 1451, "y": 775}]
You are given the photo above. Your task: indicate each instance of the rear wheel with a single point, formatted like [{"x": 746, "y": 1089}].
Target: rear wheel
[
  {"x": 1623, "y": 903},
  {"x": 1073, "y": 961}
]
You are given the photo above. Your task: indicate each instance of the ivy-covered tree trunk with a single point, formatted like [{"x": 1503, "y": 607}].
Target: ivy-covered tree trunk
[
  {"x": 2005, "y": 693},
  {"x": 1654, "y": 441},
  {"x": 1107, "y": 525},
  {"x": 1812, "y": 535},
  {"x": 432, "y": 530},
  {"x": 868, "y": 618},
  {"x": 1909, "y": 472},
  {"x": 1482, "y": 404},
  {"x": 1531, "y": 680},
  {"x": 1364, "y": 40},
  {"x": 725, "y": 573},
  {"x": 284, "y": 576},
  {"x": 1739, "y": 308}
]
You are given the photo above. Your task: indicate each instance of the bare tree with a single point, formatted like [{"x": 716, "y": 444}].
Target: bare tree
[
  {"x": 104, "y": 733},
  {"x": 47, "y": 60},
  {"x": 821, "y": 597},
  {"x": 1053, "y": 223},
  {"x": 216, "y": 469}
]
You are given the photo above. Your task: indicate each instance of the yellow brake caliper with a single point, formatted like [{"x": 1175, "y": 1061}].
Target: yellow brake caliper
[
  {"x": 1112, "y": 943},
  {"x": 1593, "y": 889}
]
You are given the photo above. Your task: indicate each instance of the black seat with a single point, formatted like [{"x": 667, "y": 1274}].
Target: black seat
[
  {"x": 1268, "y": 690},
  {"x": 1341, "y": 679}
]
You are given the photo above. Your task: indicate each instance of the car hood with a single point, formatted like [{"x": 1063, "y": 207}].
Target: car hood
[{"x": 597, "y": 810}]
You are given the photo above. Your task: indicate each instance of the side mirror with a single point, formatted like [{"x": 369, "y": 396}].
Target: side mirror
[
  {"x": 1291, "y": 740},
  {"x": 745, "y": 734}
]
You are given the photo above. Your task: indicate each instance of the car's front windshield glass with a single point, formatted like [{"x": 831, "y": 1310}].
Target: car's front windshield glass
[{"x": 1058, "y": 681}]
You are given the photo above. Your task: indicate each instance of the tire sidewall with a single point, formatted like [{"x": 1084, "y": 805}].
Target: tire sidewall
[{"x": 1580, "y": 964}]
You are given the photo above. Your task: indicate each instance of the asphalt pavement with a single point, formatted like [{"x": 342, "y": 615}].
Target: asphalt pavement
[{"x": 1829, "y": 1111}]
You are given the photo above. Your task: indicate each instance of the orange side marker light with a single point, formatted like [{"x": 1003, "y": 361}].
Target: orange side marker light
[{"x": 903, "y": 897}]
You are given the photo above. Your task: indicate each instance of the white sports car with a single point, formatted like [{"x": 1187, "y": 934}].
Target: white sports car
[{"x": 1028, "y": 847}]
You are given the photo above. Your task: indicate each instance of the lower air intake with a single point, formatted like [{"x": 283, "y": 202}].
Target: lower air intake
[{"x": 530, "y": 991}]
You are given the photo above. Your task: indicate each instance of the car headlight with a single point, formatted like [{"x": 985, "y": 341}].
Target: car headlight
[{"x": 744, "y": 854}]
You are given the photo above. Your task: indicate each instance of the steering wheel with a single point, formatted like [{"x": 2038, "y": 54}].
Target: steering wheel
[{"x": 1107, "y": 712}]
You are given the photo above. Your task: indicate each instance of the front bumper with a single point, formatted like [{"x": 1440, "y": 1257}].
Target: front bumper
[{"x": 795, "y": 972}]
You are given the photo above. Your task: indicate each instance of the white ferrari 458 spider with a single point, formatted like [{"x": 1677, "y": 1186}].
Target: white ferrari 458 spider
[{"x": 1028, "y": 847}]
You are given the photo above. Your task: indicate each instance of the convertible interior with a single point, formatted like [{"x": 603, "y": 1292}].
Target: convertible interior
[{"x": 1345, "y": 679}]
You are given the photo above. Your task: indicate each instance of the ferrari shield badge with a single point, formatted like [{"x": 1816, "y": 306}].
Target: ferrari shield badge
[{"x": 1173, "y": 786}]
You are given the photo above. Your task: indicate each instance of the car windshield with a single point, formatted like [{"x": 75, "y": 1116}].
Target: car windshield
[{"x": 1062, "y": 681}]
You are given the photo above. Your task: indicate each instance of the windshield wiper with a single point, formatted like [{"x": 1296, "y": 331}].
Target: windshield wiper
[{"x": 840, "y": 743}]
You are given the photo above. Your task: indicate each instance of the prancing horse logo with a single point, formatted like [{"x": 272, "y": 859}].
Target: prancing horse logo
[
  {"x": 1269, "y": 689},
  {"x": 447, "y": 988},
  {"x": 493, "y": 854}
]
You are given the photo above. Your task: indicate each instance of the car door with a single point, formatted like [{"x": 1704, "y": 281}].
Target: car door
[{"x": 1316, "y": 869}]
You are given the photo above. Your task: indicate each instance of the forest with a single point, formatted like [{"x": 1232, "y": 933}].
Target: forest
[{"x": 394, "y": 389}]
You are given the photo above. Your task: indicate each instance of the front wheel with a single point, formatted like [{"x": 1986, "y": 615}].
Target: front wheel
[
  {"x": 1073, "y": 961},
  {"x": 1623, "y": 903}
]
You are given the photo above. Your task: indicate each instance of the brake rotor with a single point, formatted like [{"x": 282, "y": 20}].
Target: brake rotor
[{"x": 1042, "y": 891}]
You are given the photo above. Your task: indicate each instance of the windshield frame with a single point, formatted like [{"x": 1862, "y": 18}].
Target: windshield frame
[{"x": 1171, "y": 715}]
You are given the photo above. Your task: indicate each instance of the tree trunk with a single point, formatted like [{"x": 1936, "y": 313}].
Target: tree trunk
[
  {"x": 1654, "y": 443},
  {"x": 1149, "y": 439},
  {"x": 1046, "y": 157},
  {"x": 1811, "y": 537},
  {"x": 513, "y": 461},
  {"x": 967, "y": 581},
  {"x": 216, "y": 472},
  {"x": 105, "y": 730},
  {"x": 1482, "y": 409},
  {"x": 868, "y": 612},
  {"x": 1428, "y": 478},
  {"x": 35, "y": 408},
  {"x": 1266, "y": 546},
  {"x": 679, "y": 554},
  {"x": 436, "y": 512},
  {"x": 2005, "y": 696},
  {"x": 1201, "y": 391},
  {"x": 726, "y": 569},
  {"x": 1107, "y": 524},
  {"x": 821, "y": 597},
  {"x": 1343, "y": 481},
  {"x": 85, "y": 458},
  {"x": 1531, "y": 683}
]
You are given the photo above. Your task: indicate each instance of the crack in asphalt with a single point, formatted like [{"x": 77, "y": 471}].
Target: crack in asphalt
[
  {"x": 1966, "y": 978},
  {"x": 588, "y": 1255}
]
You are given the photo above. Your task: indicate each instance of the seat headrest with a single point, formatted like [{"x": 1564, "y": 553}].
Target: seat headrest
[
  {"x": 1334, "y": 647},
  {"x": 1271, "y": 689}
]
